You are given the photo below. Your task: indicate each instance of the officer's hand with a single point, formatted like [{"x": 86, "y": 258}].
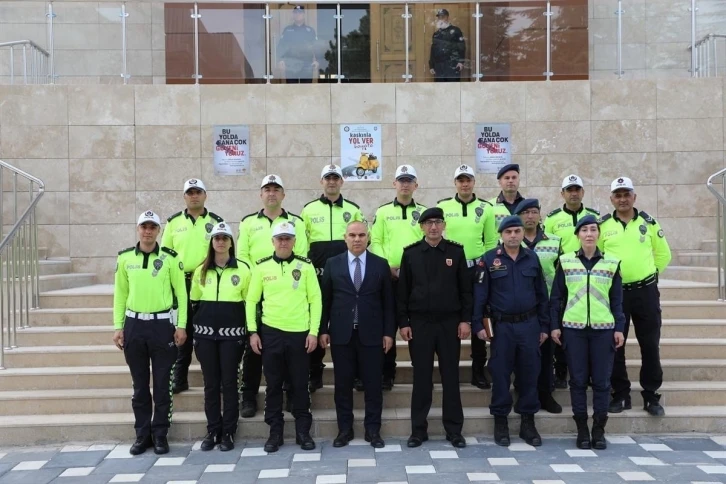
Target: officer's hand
[
  {"x": 459, "y": 66},
  {"x": 542, "y": 338},
  {"x": 556, "y": 333},
  {"x": 311, "y": 342},
  {"x": 482, "y": 335},
  {"x": 464, "y": 330},
  {"x": 387, "y": 343},
  {"x": 406, "y": 333},
  {"x": 324, "y": 340},
  {"x": 394, "y": 273},
  {"x": 619, "y": 339},
  {"x": 118, "y": 338},
  {"x": 432, "y": 71},
  {"x": 256, "y": 343},
  {"x": 180, "y": 336}
]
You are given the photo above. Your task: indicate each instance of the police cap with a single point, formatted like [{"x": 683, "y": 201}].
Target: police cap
[
  {"x": 431, "y": 213},
  {"x": 509, "y": 222},
  {"x": 586, "y": 220},
  {"x": 526, "y": 204},
  {"x": 506, "y": 168},
  {"x": 442, "y": 13},
  {"x": 222, "y": 228}
]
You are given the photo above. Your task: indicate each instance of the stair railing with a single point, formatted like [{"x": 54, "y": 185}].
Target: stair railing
[
  {"x": 36, "y": 62},
  {"x": 713, "y": 180},
  {"x": 18, "y": 253}
]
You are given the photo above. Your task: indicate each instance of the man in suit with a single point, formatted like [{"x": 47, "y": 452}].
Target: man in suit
[{"x": 358, "y": 318}]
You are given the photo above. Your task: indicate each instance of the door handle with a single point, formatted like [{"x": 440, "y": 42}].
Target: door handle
[{"x": 378, "y": 55}]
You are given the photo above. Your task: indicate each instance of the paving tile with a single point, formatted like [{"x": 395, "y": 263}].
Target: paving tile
[
  {"x": 119, "y": 466},
  {"x": 107, "y": 447},
  {"x": 389, "y": 448},
  {"x": 539, "y": 481},
  {"x": 376, "y": 474},
  {"x": 361, "y": 463},
  {"x": 580, "y": 453},
  {"x": 183, "y": 472},
  {"x": 90, "y": 479},
  {"x": 234, "y": 478},
  {"x": 29, "y": 465},
  {"x": 647, "y": 461},
  {"x": 253, "y": 452},
  {"x": 461, "y": 465},
  {"x": 43, "y": 476},
  {"x": 273, "y": 473},
  {"x": 521, "y": 447},
  {"x": 328, "y": 466},
  {"x": 306, "y": 457},
  {"x": 443, "y": 454},
  {"x": 126, "y": 478},
  {"x": 77, "y": 472},
  {"x": 482, "y": 476},
  {"x": 120, "y": 452},
  {"x": 77, "y": 459},
  {"x": 716, "y": 454},
  {"x": 217, "y": 468},
  {"x": 566, "y": 468},
  {"x": 403, "y": 458},
  {"x": 438, "y": 479},
  {"x": 619, "y": 439},
  {"x": 15, "y": 457},
  {"x": 169, "y": 461},
  {"x": 713, "y": 469},
  {"x": 331, "y": 479},
  {"x": 198, "y": 457},
  {"x": 719, "y": 439},
  {"x": 635, "y": 476},
  {"x": 74, "y": 448},
  {"x": 426, "y": 469},
  {"x": 656, "y": 447},
  {"x": 503, "y": 461}
]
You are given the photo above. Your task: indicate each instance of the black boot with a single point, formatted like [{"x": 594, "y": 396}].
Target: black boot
[
  {"x": 652, "y": 404},
  {"x": 617, "y": 405},
  {"x": 561, "y": 379},
  {"x": 501, "y": 431},
  {"x": 180, "y": 382},
  {"x": 248, "y": 408},
  {"x": 528, "y": 432},
  {"x": 211, "y": 439},
  {"x": 583, "y": 433},
  {"x": 227, "y": 442},
  {"x": 548, "y": 403},
  {"x": 598, "y": 432},
  {"x": 273, "y": 442},
  {"x": 478, "y": 377}
]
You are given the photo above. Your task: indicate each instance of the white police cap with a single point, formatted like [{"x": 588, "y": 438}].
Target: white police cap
[
  {"x": 222, "y": 228},
  {"x": 284, "y": 229},
  {"x": 149, "y": 216},
  {"x": 329, "y": 169},
  {"x": 194, "y": 183},
  {"x": 405, "y": 171},
  {"x": 464, "y": 170},
  {"x": 272, "y": 180},
  {"x": 572, "y": 181},
  {"x": 622, "y": 183}
]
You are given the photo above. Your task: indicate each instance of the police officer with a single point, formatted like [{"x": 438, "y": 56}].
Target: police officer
[
  {"x": 448, "y": 50},
  {"x": 589, "y": 286},
  {"x": 188, "y": 233},
  {"x": 394, "y": 227},
  {"x": 561, "y": 222},
  {"x": 219, "y": 287},
  {"x": 296, "y": 50},
  {"x": 326, "y": 219},
  {"x": 147, "y": 280},
  {"x": 286, "y": 333},
  {"x": 511, "y": 288},
  {"x": 434, "y": 315},
  {"x": 547, "y": 248},
  {"x": 507, "y": 200},
  {"x": 466, "y": 217},
  {"x": 637, "y": 240},
  {"x": 254, "y": 243}
]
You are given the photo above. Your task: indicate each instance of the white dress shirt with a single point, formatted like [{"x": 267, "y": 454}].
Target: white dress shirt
[{"x": 351, "y": 265}]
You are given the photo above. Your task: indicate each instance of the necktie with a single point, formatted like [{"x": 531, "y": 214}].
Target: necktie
[{"x": 357, "y": 281}]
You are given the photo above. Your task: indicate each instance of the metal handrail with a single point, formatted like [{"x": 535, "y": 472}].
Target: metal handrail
[
  {"x": 720, "y": 229},
  {"x": 18, "y": 260},
  {"x": 704, "y": 55},
  {"x": 36, "y": 62}
]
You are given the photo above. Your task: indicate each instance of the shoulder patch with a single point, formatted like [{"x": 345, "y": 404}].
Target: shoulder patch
[
  {"x": 647, "y": 217},
  {"x": 249, "y": 215},
  {"x": 605, "y": 218},
  {"x": 413, "y": 245},
  {"x": 453, "y": 242},
  {"x": 243, "y": 262},
  {"x": 169, "y": 251},
  {"x": 385, "y": 204},
  {"x": 295, "y": 215},
  {"x": 215, "y": 217},
  {"x": 352, "y": 203},
  {"x": 123, "y": 251},
  {"x": 592, "y": 210},
  {"x": 174, "y": 216},
  {"x": 311, "y": 201},
  {"x": 304, "y": 259},
  {"x": 444, "y": 200},
  {"x": 260, "y": 261},
  {"x": 556, "y": 211}
]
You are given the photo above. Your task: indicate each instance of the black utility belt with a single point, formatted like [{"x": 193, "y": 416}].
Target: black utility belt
[
  {"x": 651, "y": 279},
  {"x": 514, "y": 318}
]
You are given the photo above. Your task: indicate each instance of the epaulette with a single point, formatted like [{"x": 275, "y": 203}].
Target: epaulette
[
  {"x": 215, "y": 217},
  {"x": 311, "y": 201},
  {"x": 240, "y": 260},
  {"x": 647, "y": 217},
  {"x": 169, "y": 251},
  {"x": 260, "y": 261},
  {"x": 596, "y": 212},
  {"x": 352, "y": 203},
  {"x": 249, "y": 215},
  {"x": 555, "y": 212},
  {"x": 444, "y": 200},
  {"x": 174, "y": 216},
  {"x": 605, "y": 218},
  {"x": 305, "y": 259},
  {"x": 453, "y": 242},
  {"x": 294, "y": 215},
  {"x": 383, "y": 205},
  {"x": 413, "y": 245},
  {"x": 126, "y": 250}
]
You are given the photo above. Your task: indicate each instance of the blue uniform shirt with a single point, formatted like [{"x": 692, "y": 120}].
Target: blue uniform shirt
[{"x": 510, "y": 287}]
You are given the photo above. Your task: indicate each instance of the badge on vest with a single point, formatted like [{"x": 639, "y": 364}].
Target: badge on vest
[
  {"x": 158, "y": 264},
  {"x": 296, "y": 275},
  {"x": 414, "y": 217},
  {"x": 346, "y": 217},
  {"x": 235, "y": 280},
  {"x": 497, "y": 266},
  {"x": 449, "y": 262},
  {"x": 479, "y": 211}
]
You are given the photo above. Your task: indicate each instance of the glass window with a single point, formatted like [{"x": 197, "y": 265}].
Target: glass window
[
  {"x": 357, "y": 58},
  {"x": 569, "y": 38},
  {"x": 179, "y": 28}
]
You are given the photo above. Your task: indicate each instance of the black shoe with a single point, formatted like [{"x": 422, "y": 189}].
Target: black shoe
[
  {"x": 248, "y": 409},
  {"x": 583, "y": 433},
  {"x": 620, "y": 404},
  {"x": 178, "y": 387},
  {"x": 343, "y": 438},
  {"x": 478, "y": 378},
  {"x": 227, "y": 442},
  {"x": 456, "y": 440},
  {"x": 416, "y": 440},
  {"x": 304, "y": 440},
  {"x": 528, "y": 432},
  {"x": 561, "y": 380},
  {"x": 548, "y": 403},
  {"x": 654, "y": 408},
  {"x": 375, "y": 439},
  {"x": 387, "y": 384},
  {"x": 210, "y": 440},
  {"x": 598, "y": 432},
  {"x": 161, "y": 445},
  {"x": 501, "y": 431},
  {"x": 358, "y": 385},
  {"x": 316, "y": 383},
  {"x": 273, "y": 443},
  {"x": 140, "y": 446}
]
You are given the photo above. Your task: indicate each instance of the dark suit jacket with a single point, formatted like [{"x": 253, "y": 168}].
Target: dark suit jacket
[{"x": 376, "y": 305}]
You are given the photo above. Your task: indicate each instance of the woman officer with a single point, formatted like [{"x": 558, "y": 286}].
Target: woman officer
[
  {"x": 589, "y": 287},
  {"x": 219, "y": 287}
]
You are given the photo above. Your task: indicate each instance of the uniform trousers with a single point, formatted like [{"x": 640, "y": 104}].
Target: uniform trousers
[
  {"x": 153, "y": 341},
  {"x": 515, "y": 348},
  {"x": 316, "y": 357},
  {"x": 184, "y": 358},
  {"x": 284, "y": 353},
  {"x": 435, "y": 337},
  {"x": 220, "y": 365},
  {"x": 590, "y": 355},
  {"x": 367, "y": 360},
  {"x": 478, "y": 346},
  {"x": 389, "y": 359},
  {"x": 560, "y": 362},
  {"x": 643, "y": 306}
]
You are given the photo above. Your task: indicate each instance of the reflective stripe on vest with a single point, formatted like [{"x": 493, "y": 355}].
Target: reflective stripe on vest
[{"x": 588, "y": 302}]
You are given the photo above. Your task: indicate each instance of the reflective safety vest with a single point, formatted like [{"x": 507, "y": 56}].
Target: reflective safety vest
[
  {"x": 548, "y": 250},
  {"x": 588, "y": 302}
]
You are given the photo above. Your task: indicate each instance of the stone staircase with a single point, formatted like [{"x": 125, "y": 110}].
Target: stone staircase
[{"x": 67, "y": 382}]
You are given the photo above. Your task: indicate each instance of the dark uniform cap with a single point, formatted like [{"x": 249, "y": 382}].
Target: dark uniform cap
[
  {"x": 586, "y": 220},
  {"x": 509, "y": 222},
  {"x": 506, "y": 168},
  {"x": 433, "y": 212},
  {"x": 526, "y": 204},
  {"x": 442, "y": 13}
]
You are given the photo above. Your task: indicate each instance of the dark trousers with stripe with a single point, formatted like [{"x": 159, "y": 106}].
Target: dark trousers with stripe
[
  {"x": 153, "y": 341},
  {"x": 184, "y": 358},
  {"x": 284, "y": 353},
  {"x": 220, "y": 365}
]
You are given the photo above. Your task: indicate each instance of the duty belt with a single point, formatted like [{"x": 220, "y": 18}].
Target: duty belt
[
  {"x": 514, "y": 318},
  {"x": 651, "y": 279},
  {"x": 148, "y": 316},
  {"x": 472, "y": 262}
]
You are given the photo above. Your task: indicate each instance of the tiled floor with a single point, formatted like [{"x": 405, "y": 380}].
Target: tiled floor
[{"x": 669, "y": 459}]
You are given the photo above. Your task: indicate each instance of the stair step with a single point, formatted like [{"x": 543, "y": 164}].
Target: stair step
[
  {"x": 65, "y": 336},
  {"x": 691, "y": 273},
  {"x": 693, "y": 328},
  {"x": 45, "y": 429},
  {"x": 55, "y": 282},
  {"x": 706, "y": 309},
  {"x": 709, "y": 245},
  {"x": 698, "y": 258},
  {"x": 71, "y": 317},
  {"x": 92, "y": 296},
  {"x": 674, "y": 290}
]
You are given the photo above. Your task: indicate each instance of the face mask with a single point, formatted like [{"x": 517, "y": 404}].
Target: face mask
[{"x": 441, "y": 24}]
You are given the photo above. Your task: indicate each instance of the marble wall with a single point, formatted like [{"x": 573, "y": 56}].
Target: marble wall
[{"x": 106, "y": 153}]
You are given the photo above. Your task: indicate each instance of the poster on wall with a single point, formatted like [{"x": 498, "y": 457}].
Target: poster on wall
[
  {"x": 493, "y": 147},
  {"x": 231, "y": 150},
  {"x": 361, "y": 152}
]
